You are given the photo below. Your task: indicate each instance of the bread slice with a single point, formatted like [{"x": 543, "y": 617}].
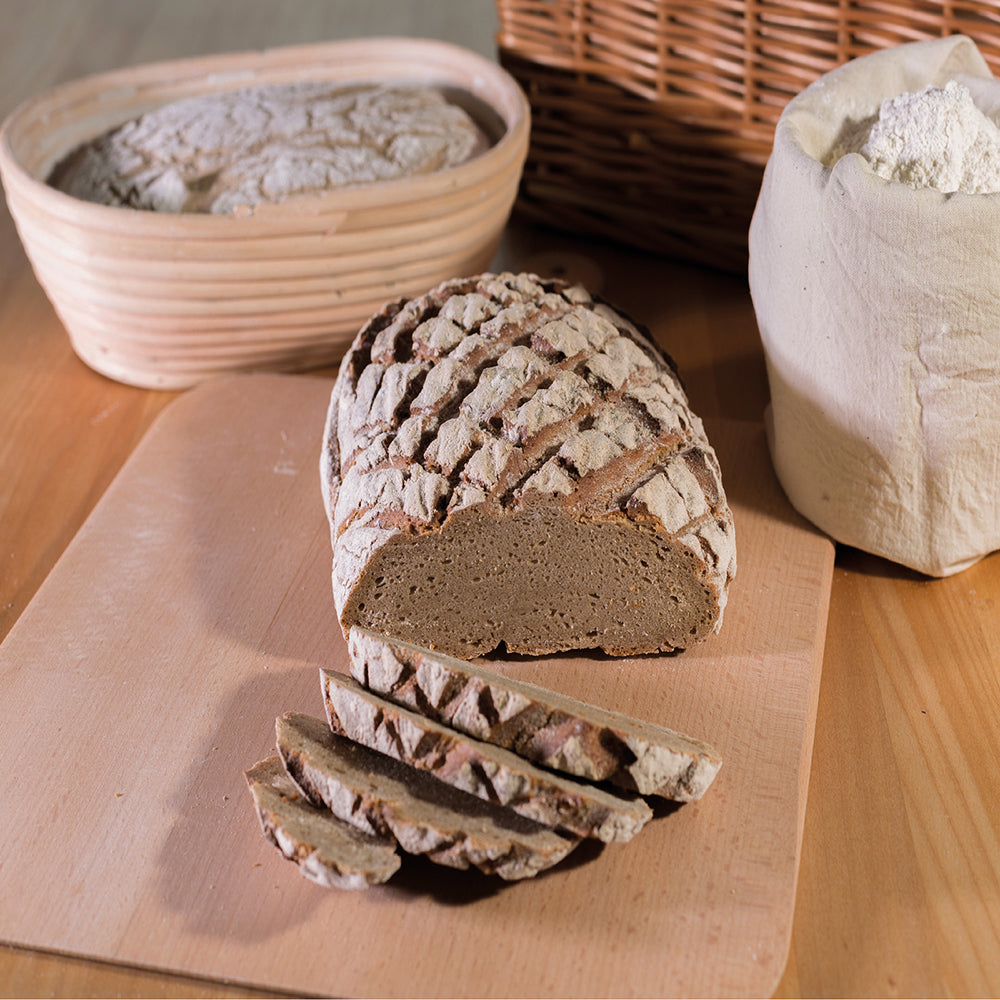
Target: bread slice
[
  {"x": 327, "y": 851},
  {"x": 542, "y": 726},
  {"x": 508, "y": 459},
  {"x": 425, "y": 816},
  {"x": 489, "y": 772}
]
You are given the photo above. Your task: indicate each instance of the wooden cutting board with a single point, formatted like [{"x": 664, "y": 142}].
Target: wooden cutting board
[{"x": 194, "y": 606}]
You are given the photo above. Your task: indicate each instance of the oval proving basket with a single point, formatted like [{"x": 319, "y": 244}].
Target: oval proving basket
[
  {"x": 652, "y": 120},
  {"x": 166, "y": 301}
]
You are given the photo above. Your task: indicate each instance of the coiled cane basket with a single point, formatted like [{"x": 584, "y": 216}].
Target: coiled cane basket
[{"x": 652, "y": 120}]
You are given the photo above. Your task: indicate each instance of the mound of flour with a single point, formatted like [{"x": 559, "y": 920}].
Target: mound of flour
[{"x": 936, "y": 138}]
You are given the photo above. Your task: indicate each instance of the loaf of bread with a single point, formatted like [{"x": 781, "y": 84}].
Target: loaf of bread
[
  {"x": 558, "y": 732},
  {"x": 327, "y": 851},
  {"x": 228, "y": 151},
  {"x": 425, "y": 816},
  {"x": 509, "y": 460},
  {"x": 492, "y": 773}
]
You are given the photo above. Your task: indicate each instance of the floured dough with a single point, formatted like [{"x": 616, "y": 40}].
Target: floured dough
[{"x": 217, "y": 153}]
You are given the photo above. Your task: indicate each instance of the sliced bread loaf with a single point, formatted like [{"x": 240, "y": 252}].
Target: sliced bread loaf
[
  {"x": 509, "y": 460},
  {"x": 328, "y": 852},
  {"x": 542, "y": 726},
  {"x": 492, "y": 773},
  {"x": 426, "y": 816}
]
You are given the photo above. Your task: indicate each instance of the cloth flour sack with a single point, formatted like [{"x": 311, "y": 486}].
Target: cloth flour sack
[{"x": 879, "y": 309}]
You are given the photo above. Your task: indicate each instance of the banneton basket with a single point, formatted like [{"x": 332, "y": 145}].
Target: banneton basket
[
  {"x": 652, "y": 120},
  {"x": 166, "y": 301}
]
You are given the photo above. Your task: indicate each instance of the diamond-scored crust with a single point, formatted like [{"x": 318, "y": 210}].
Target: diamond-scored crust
[{"x": 508, "y": 389}]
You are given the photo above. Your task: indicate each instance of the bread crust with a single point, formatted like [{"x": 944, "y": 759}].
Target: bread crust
[
  {"x": 481, "y": 769},
  {"x": 545, "y": 727},
  {"x": 380, "y": 795},
  {"x": 526, "y": 409},
  {"x": 327, "y": 851}
]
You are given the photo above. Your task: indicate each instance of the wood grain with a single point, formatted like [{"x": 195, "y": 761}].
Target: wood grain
[
  {"x": 194, "y": 606},
  {"x": 915, "y": 819},
  {"x": 897, "y": 887}
]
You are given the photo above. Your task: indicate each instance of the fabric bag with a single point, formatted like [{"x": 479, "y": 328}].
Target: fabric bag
[{"x": 879, "y": 311}]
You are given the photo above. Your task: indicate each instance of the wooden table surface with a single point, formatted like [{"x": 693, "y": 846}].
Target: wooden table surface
[{"x": 899, "y": 885}]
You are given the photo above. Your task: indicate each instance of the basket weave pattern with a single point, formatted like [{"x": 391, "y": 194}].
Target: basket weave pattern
[
  {"x": 166, "y": 300},
  {"x": 652, "y": 120}
]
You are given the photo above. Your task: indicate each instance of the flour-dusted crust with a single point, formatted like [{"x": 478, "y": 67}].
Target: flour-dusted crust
[
  {"x": 229, "y": 151},
  {"x": 508, "y": 459},
  {"x": 380, "y": 795},
  {"x": 542, "y": 726},
  {"x": 492, "y": 773},
  {"x": 327, "y": 851}
]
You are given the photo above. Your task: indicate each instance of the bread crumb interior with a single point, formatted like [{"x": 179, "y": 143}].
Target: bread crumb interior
[{"x": 538, "y": 581}]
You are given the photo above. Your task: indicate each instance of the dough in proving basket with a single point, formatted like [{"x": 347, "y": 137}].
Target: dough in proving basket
[{"x": 228, "y": 151}]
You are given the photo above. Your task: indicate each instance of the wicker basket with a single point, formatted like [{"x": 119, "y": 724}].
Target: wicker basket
[
  {"x": 166, "y": 300},
  {"x": 652, "y": 120}
]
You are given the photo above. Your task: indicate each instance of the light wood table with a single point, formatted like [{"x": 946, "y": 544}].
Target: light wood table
[{"x": 899, "y": 886}]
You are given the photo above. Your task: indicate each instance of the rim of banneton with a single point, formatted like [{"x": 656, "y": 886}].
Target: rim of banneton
[
  {"x": 185, "y": 312},
  {"x": 194, "y": 256},
  {"x": 44, "y": 128},
  {"x": 165, "y": 301}
]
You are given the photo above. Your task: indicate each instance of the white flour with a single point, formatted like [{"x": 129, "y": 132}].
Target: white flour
[{"x": 936, "y": 138}]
